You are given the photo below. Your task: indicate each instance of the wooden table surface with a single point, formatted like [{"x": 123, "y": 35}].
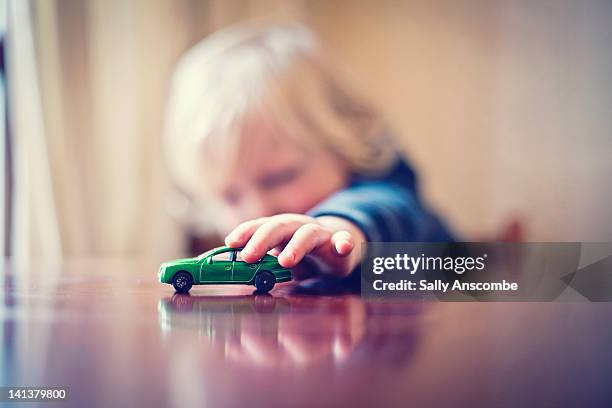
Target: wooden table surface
[{"x": 115, "y": 337}]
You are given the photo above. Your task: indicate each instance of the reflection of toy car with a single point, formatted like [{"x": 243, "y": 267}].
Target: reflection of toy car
[
  {"x": 185, "y": 303},
  {"x": 222, "y": 318},
  {"x": 223, "y": 265}
]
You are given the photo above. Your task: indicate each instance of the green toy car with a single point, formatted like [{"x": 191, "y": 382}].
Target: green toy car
[{"x": 223, "y": 265}]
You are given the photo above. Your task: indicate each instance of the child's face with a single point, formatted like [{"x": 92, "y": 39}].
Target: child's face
[{"x": 273, "y": 175}]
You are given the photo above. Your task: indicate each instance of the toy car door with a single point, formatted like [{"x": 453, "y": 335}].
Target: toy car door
[
  {"x": 217, "y": 268},
  {"x": 243, "y": 271}
]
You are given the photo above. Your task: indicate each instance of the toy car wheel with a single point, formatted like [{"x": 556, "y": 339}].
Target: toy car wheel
[
  {"x": 182, "y": 282},
  {"x": 264, "y": 281}
]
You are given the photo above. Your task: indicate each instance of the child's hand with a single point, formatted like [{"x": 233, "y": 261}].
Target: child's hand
[{"x": 333, "y": 243}]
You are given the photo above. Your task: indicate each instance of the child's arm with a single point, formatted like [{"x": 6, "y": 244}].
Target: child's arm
[
  {"x": 332, "y": 233},
  {"x": 385, "y": 211}
]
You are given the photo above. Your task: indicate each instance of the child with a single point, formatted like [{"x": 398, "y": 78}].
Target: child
[{"x": 262, "y": 124}]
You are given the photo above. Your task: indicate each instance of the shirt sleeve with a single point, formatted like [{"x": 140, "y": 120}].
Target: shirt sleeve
[{"x": 386, "y": 212}]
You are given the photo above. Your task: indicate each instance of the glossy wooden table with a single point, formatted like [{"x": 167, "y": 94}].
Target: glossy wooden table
[{"x": 115, "y": 337}]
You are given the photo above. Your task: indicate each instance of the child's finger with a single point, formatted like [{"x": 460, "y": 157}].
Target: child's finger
[
  {"x": 276, "y": 250},
  {"x": 241, "y": 234},
  {"x": 305, "y": 239},
  {"x": 268, "y": 236},
  {"x": 342, "y": 242}
]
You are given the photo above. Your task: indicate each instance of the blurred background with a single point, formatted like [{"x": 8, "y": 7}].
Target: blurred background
[{"x": 504, "y": 107}]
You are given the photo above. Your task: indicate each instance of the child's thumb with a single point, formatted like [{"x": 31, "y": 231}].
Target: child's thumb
[{"x": 342, "y": 242}]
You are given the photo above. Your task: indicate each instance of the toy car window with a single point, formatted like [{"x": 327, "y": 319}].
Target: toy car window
[
  {"x": 239, "y": 256},
  {"x": 223, "y": 256},
  {"x": 205, "y": 254}
]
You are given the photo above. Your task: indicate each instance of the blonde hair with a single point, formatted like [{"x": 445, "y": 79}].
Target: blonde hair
[{"x": 280, "y": 71}]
